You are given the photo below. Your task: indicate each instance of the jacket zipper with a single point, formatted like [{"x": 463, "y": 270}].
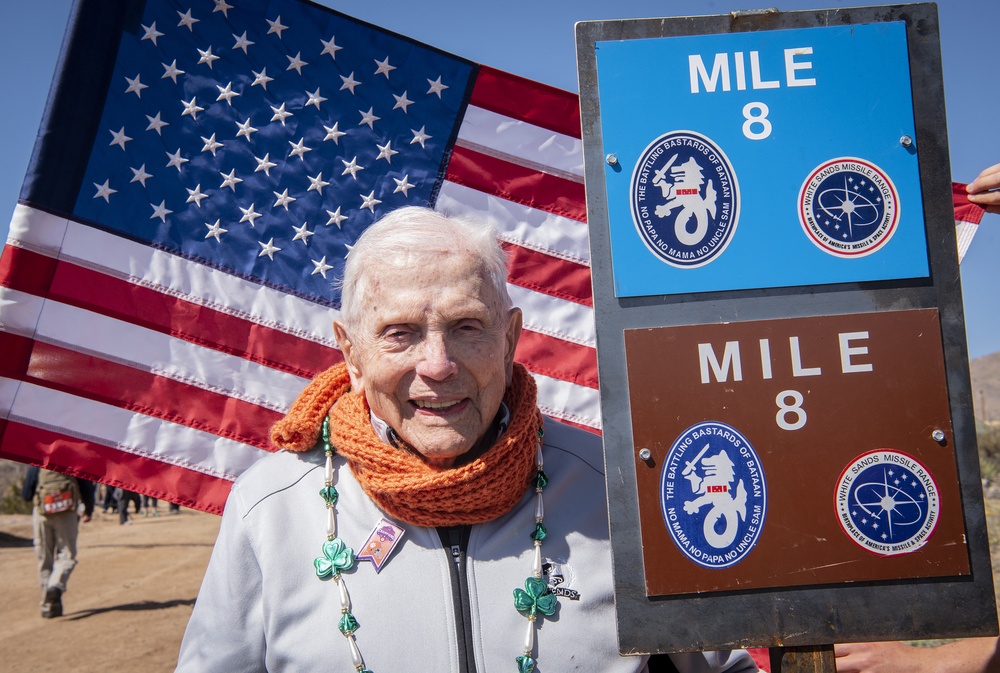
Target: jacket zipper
[{"x": 456, "y": 543}]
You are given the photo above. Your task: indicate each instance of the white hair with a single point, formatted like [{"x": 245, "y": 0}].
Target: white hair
[{"x": 417, "y": 230}]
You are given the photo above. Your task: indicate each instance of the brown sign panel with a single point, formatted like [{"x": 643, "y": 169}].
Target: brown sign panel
[{"x": 791, "y": 452}]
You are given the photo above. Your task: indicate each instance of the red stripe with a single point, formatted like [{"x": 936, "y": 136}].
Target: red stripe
[
  {"x": 145, "y": 393},
  {"x": 26, "y": 271},
  {"x": 549, "y": 275},
  {"x": 96, "y": 462},
  {"x": 558, "y": 359},
  {"x": 116, "y": 298},
  {"x": 519, "y": 184},
  {"x": 965, "y": 210},
  {"x": 16, "y": 351},
  {"x": 524, "y": 99}
]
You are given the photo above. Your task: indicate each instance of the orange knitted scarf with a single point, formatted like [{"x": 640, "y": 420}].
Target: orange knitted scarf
[{"x": 398, "y": 480}]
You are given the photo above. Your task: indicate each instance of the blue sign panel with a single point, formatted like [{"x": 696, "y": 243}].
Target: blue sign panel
[{"x": 763, "y": 159}]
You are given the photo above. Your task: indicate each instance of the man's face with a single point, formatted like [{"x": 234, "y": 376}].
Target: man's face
[{"x": 433, "y": 351}]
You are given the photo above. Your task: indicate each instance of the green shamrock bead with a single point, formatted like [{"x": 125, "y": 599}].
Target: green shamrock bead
[
  {"x": 329, "y": 494},
  {"x": 541, "y": 480},
  {"x": 348, "y": 624},
  {"x": 525, "y": 664},
  {"x": 336, "y": 557},
  {"x": 535, "y": 598},
  {"x": 539, "y": 533}
]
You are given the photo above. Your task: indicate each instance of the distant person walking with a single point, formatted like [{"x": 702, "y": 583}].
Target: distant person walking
[
  {"x": 124, "y": 498},
  {"x": 56, "y": 498}
]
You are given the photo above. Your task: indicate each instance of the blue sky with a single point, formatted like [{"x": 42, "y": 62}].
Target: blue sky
[{"x": 536, "y": 39}]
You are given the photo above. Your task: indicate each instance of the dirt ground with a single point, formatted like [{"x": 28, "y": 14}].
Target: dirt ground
[
  {"x": 128, "y": 599},
  {"x": 131, "y": 594}
]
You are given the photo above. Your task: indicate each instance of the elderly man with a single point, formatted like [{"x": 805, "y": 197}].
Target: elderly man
[{"x": 403, "y": 528}]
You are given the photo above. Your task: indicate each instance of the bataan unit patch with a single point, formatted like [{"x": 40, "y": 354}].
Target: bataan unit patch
[
  {"x": 713, "y": 494},
  {"x": 887, "y": 502},
  {"x": 848, "y": 207},
  {"x": 684, "y": 199}
]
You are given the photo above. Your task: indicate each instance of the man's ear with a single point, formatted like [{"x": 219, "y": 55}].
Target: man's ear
[
  {"x": 351, "y": 355},
  {"x": 512, "y": 336}
]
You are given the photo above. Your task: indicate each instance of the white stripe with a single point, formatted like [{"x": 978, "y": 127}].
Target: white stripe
[
  {"x": 8, "y": 389},
  {"x": 161, "y": 354},
  {"x": 568, "y": 401},
  {"x": 172, "y": 275},
  {"x": 521, "y": 225},
  {"x": 555, "y": 317},
  {"x": 134, "y": 433},
  {"x": 964, "y": 231},
  {"x": 521, "y": 142}
]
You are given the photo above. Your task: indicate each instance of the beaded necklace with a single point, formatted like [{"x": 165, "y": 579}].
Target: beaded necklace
[{"x": 533, "y": 599}]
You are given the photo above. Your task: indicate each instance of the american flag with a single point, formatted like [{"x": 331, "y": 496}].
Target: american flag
[
  {"x": 968, "y": 215},
  {"x": 203, "y": 166}
]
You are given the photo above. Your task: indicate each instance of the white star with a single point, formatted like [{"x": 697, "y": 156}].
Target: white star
[
  {"x": 191, "y": 108},
  {"x": 176, "y": 160},
  {"x": 302, "y": 233},
  {"x": 140, "y": 175},
  {"x": 187, "y": 20},
  {"x": 280, "y": 114},
  {"x": 261, "y": 78},
  {"x": 207, "y": 57},
  {"x": 335, "y": 217},
  {"x": 349, "y": 82},
  {"x": 196, "y": 195},
  {"x": 249, "y": 215},
  {"x": 333, "y": 133},
  {"x": 268, "y": 249},
  {"x": 161, "y": 211},
  {"x": 419, "y": 136},
  {"x": 368, "y": 118},
  {"x": 222, "y": 6},
  {"x": 352, "y": 167},
  {"x": 321, "y": 267},
  {"x": 330, "y": 47},
  {"x": 436, "y": 87},
  {"x": 155, "y": 124},
  {"x": 265, "y": 165},
  {"x": 151, "y": 33},
  {"x": 171, "y": 71},
  {"x": 242, "y": 42},
  {"x": 119, "y": 138},
  {"x": 314, "y": 98},
  {"x": 245, "y": 129},
  {"x": 215, "y": 231},
  {"x": 317, "y": 183},
  {"x": 295, "y": 63},
  {"x": 370, "y": 201},
  {"x": 403, "y": 185},
  {"x": 230, "y": 180},
  {"x": 135, "y": 86},
  {"x": 385, "y": 152},
  {"x": 104, "y": 191},
  {"x": 383, "y": 67},
  {"x": 211, "y": 144},
  {"x": 299, "y": 149},
  {"x": 402, "y": 102},
  {"x": 227, "y": 93},
  {"x": 283, "y": 200},
  {"x": 276, "y": 26}
]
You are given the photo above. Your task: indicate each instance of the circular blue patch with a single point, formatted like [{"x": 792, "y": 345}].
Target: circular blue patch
[
  {"x": 887, "y": 502},
  {"x": 848, "y": 207},
  {"x": 713, "y": 495},
  {"x": 684, "y": 198}
]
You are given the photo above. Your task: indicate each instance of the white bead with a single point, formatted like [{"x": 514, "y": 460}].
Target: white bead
[
  {"x": 355, "y": 654},
  {"x": 331, "y": 523},
  {"x": 329, "y": 469},
  {"x": 529, "y": 637},
  {"x": 539, "y": 507},
  {"x": 345, "y": 598},
  {"x": 536, "y": 568},
  {"x": 538, "y": 457}
]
